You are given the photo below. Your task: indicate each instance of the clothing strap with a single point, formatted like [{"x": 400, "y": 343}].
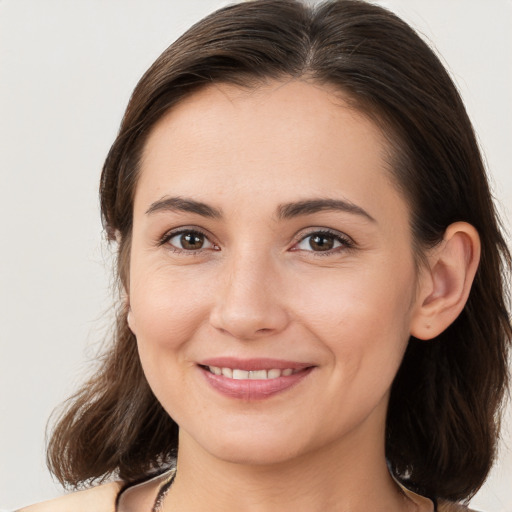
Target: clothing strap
[
  {"x": 166, "y": 479},
  {"x": 162, "y": 492},
  {"x": 167, "y": 483}
]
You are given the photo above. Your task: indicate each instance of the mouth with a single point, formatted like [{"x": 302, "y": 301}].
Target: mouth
[
  {"x": 254, "y": 379},
  {"x": 261, "y": 374}
]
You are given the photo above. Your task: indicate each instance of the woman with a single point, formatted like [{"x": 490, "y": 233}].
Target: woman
[{"x": 312, "y": 274}]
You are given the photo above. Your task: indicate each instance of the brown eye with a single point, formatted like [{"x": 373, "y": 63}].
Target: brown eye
[
  {"x": 189, "y": 241},
  {"x": 323, "y": 242},
  {"x": 192, "y": 241}
]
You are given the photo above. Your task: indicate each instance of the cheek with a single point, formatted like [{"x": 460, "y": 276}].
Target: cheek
[
  {"x": 363, "y": 319},
  {"x": 357, "y": 301},
  {"x": 166, "y": 315},
  {"x": 167, "y": 312},
  {"x": 165, "y": 304}
]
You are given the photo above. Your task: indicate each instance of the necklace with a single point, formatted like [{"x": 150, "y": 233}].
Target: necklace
[
  {"x": 169, "y": 479},
  {"x": 164, "y": 489}
]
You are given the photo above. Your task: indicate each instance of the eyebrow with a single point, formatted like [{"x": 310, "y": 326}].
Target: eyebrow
[
  {"x": 181, "y": 204},
  {"x": 310, "y": 206},
  {"x": 284, "y": 211}
]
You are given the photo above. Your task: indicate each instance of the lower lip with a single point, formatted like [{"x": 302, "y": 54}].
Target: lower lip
[{"x": 254, "y": 389}]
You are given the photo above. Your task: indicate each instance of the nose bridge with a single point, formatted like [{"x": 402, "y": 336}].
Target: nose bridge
[{"x": 247, "y": 305}]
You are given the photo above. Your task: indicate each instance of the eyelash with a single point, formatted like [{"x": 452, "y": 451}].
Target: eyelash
[
  {"x": 184, "y": 231},
  {"x": 345, "y": 243}
]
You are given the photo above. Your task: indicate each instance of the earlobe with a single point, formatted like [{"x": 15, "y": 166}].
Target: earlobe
[
  {"x": 125, "y": 298},
  {"x": 130, "y": 320},
  {"x": 446, "y": 282}
]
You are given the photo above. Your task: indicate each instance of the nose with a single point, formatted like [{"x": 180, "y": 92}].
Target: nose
[{"x": 248, "y": 302}]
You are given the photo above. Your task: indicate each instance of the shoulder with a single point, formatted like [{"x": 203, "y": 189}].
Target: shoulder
[
  {"x": 145, "y": 495},
  {"x": 442, "y": 506},
  {"x": 447, "y": 506},
  {"x": 101, "y": 498}
]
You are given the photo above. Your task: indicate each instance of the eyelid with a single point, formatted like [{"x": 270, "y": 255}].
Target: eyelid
[
  {"x": 171, "y": 233},
  {"x": 346, "y": 241}
]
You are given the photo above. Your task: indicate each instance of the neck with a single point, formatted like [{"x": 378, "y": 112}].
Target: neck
[{"x": 350, "y": 475}]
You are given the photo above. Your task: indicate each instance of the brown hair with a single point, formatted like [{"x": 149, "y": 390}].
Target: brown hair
[{"x": 443, "y": 418}]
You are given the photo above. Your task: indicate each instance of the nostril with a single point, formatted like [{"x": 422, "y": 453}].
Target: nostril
[{"x": 247, "y": 315}]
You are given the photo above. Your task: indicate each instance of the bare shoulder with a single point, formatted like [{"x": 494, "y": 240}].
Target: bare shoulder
[
  {"x": 446, "y": 506},
  {"x": 101, "y": 498}
]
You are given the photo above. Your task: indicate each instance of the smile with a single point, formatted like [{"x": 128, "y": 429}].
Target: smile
[
  {"x": 237, "y": 374},
  {"x": 254, "y": 379}
]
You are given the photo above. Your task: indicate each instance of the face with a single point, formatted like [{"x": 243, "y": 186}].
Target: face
[{"x": 272, "y": 279}]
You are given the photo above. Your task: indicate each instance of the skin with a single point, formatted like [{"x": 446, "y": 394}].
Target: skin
[{"x": 258, "y": 288}]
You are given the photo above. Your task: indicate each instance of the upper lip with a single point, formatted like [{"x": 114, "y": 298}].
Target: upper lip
[{"x": 253, "y": 363}]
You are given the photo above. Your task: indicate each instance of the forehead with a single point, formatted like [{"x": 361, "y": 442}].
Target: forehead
[
  {"x": 282, "y": 139},
  {"x": 301, "y": 110}
]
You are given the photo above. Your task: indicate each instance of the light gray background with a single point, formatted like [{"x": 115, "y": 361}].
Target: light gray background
[{"x": 67, "y": 68}]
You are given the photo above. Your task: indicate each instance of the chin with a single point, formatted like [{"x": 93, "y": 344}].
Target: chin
[
  {"x": 253, "y": 455},
  {"x": 250, "y": 448}
]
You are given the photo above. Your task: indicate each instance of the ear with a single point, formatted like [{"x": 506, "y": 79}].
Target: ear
[
  {"x": 445, "y": 283},
  {"x": 130, "y": 320}
]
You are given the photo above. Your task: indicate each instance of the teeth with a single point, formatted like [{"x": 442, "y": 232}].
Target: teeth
[
  {"x": 273, "y": 374},
  {"x": 236, "y": 374},
  {"x": 239, "y": 374},
  {"x": 258, "y": 374},
  {"x": 227, "y": 372}
]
